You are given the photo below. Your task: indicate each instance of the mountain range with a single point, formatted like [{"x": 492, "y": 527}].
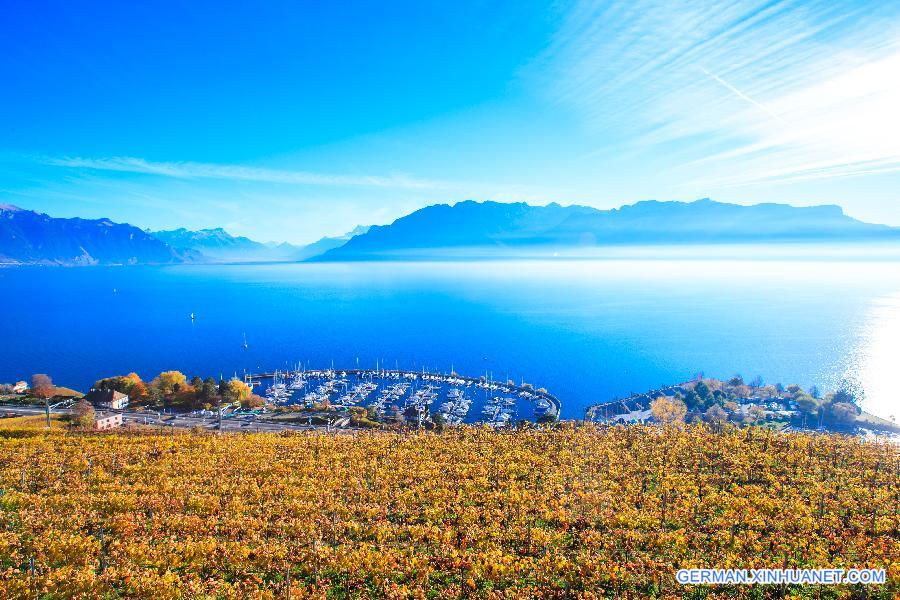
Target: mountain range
[
  {"x": 28, "y": 237},
  {"x": 492, "y": 228},
  {"x": 218, "y": 245},
  {"x": 466, "y": 229}
]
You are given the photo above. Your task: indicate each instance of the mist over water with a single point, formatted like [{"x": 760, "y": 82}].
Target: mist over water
[{"x": 587, "y": 330}]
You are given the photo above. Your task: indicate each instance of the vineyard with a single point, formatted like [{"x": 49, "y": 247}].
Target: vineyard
[{"x": 569, "y": 512}]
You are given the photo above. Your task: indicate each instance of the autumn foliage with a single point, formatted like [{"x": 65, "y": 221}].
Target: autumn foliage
[
  {"x": 565, "y": 512},
  {"x": 42, "y": 387},
  {"x": 172, "y": 389}
]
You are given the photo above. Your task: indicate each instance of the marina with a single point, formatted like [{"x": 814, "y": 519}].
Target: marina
[{"x": 410, "y": 396}]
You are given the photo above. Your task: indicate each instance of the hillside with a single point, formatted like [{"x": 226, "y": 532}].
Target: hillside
[
  {"x": 556, "y": 513},
  {"x": 519, "y": 227},
  {"x": 325, "y": 244},
  {"x": 28, "y": 237}
]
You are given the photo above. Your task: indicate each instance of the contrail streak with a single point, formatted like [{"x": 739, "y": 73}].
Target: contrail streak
[{"x": 743, "y": 96}]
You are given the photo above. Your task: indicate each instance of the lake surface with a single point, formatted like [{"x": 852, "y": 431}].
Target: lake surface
[{"x": 586, "y": 330}]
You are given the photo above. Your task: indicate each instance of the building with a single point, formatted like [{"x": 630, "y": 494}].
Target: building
[
  {"x": 104, "y": 421},
  {"x": 107, "y": 399},
  {"x": 635, "y": 416},
  {"x": 20, "y": 387},
  {"x": 413, "y": 416}
]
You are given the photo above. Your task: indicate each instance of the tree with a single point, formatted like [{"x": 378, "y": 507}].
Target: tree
[
  {"x": 237, "y": 391},
  {"x": 209, "y": 390},
  {"x": 844, "y": 395},
  {"x": 135, "y": 387},
  {"x": 253, "y": 401},
  {"x": 186, "y": 395},
  {"x": 130, "y": 384},
  {"x": 769, "y": 391},
  {"x": 668, "y": 410},
  {"x": 107, "y": 383},
  {"x": 693, "y": 400},
  {"x": 169, "y": 382},
  {"x": 843, "y": 412},
  {"x": 755, "y": 413},
  {"x": 139, "y": 392},
  {"x": 807, "y": 405},
  {"x": 716, "y": 414},
  {"x": 42, "y": 387},
  {"x": 155, "y": 396},
  {"x": 741, "y": 391},
  {"x": 83, "y": 414},
  {"x": 702, "y": 390}
]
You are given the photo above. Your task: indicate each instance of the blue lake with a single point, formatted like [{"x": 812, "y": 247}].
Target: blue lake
[{"x": 586, "y": 330}]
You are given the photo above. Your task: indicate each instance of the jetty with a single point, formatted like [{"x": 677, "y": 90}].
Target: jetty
[{"x": 632, "y": 408}]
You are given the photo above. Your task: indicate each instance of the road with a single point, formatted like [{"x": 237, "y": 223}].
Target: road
[{"x": 184, "y": 421}]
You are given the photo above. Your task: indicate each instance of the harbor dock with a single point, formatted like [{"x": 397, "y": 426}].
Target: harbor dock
[{"x": 521, "y": 390}]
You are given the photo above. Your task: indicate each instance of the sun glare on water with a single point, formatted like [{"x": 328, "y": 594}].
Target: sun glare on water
[{"x": 877, "y": 357}]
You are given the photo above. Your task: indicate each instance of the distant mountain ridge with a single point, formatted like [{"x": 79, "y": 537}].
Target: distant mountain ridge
[
  {"x": 517, "y": 227},
  {"x": 218, "y": 245},
  {"x": 29, "y": 237},
  {"x": 325, "y": 244},
  {"x": 438, "y": 231}
]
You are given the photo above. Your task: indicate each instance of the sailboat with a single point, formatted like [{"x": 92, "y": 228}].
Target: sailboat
[
  {"x": 192, "y": 316},
  {"x": 245, "y": 342}
]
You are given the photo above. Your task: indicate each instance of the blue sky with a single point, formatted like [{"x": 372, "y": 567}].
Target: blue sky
[{"x": 288, "y": 121}]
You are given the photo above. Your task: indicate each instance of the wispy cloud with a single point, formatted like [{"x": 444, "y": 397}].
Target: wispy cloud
[
  {"x": 843, "y": 126},
  {"x": 740, "y": 92},
  {"x": 195, "y": 170},
  {"x": 440, "y": 190}
]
